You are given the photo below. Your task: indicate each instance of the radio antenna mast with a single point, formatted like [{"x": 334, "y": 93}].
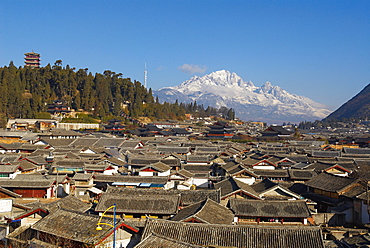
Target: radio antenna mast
[{"x": 145, "y": 75}]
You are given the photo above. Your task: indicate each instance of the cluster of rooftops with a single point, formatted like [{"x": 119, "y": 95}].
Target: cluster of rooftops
[{"x": 175, "y": 192}]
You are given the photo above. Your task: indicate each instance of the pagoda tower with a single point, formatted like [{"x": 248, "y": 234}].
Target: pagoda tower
[{"x": 32, "y": 59}]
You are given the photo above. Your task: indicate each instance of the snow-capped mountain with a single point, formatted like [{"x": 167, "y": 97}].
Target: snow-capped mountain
[{"x": 266, "y": 103}]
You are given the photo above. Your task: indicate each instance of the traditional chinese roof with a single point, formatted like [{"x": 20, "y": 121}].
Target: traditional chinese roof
[
  {"x": 8, "y": 169},
  {"x": 84, "y": 142},
  {"x": 237, "y": 235},
  {"x": 76, "y": 226},
  {"x": 232, "y": 186},
  {"x": 331, "y": 183},
  {"x": 68, "y": 203},
  {"x": 279, "y": 173},
  {"x": 301, "y": 174},
  {"x": 173, "y": 149},
  {"x": 82, "y": 177},
  {"x": 142, "y": 204},
  {"x": 192, "y": 196},
  {"x": 158, "y": 166},
  {"x": 207, "y": 211},
  {"x": 267, "y": 208},
  {"x": 133, "y": 179},
  {"x": 263, "y": 185},
  {"x": 198, "y": 158},
  {"x": 326, "y": 154},
  {"x": 184, "y": 173},
  {"x": 58, "y": 142},
  {"x": 188, "y": 197},
  {"x": 109, "y": 142},
  {"x": 25, "y": 184},
  {"x": 155, "y": 241}
]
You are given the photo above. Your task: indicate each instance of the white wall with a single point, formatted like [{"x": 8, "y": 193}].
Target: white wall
[
  {"x": 164, "y": 174},
  {"x": 77, "y": 126},
  {"x": 201, "y": 182},
  {"x": 264, "y": 167},
  {"x": 146, "y": 173},
  {"x": 247, "y": 180}
]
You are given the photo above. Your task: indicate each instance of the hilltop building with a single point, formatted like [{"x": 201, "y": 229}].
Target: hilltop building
[
  {"x": 32, "y": 59},
  {"x": 58, "y": 107},
  {"x": 220, "y": 130}
]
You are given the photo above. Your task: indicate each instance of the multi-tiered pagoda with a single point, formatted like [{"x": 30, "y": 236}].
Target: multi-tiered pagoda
[
  {"x": 32, "y": 59},
  {"x": 220, "y": 130}
]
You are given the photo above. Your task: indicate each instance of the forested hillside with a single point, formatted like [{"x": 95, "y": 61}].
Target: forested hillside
[
  {"x": 25, "y": 93},
  {"x": 357, "y": 107}
]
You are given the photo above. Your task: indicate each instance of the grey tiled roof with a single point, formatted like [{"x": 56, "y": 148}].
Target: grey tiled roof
[
  {"x": 58, "y": 142},
  {"x": 76, "y": 226},
  {"x": 71, "y": 163},
  {"x": 272, "y": 173},
  {"x": 5, "y": 158},
  {"x": 141, "y": 204},
  {"x": 329, "y": 182},
  {"x": 207, "y": 211},
  {"x": 263, "y": 185},
  {"x": 188, "y": 197},
  {"x": 82, "y": 177},
  {"x": 39, "y": 178},
  {"x": 25, "y": 184},
  {"x": 173, "y": 149},
  {"x": 231, "y": 186},
  {"x": 155, "y": 241},
  {"x": 25, "y": 165},
  {"x": 197, "y": 158},
  {"x": 197, "y": 168},
  {"x": 326, "y": 154},
  {"x": 159, "y": 166},
  {"x": 184, "y": 173},
  {"x": 298, "y": 158},
  {"x": 355, "y": 151},
  {"x": 8, "y": 168},
  {"x": 109, "y": 142},
  {"x": 84, "y": 142},
  {"x": 266, "y": 208},
  {"x": 96, "y": 167},
  {"x": 143, "y": 160},
  {"x": 192, "y": 196},
  {"x": 237, "y": 235},
  {"x": 207, "y": 148},
  {"x": 133, "y": 179},
  {"x": 69, "y": 203},
  {"x": 139, "y": 191},
  {"x": 301, "y": 174}
]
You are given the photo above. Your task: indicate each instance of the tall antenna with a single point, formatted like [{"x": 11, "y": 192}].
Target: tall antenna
[{"x": 145, "y": 75}]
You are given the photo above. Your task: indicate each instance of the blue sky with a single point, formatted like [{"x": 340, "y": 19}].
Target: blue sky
[{"x": 315, "y": 48}]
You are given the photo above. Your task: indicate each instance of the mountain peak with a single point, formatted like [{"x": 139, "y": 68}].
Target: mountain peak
[
  {"x": 266, "y": 87},
  {"x": 225, "y": 88}
]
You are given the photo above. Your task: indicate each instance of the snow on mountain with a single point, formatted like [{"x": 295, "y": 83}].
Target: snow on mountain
[{"x": 267, "y": 103}]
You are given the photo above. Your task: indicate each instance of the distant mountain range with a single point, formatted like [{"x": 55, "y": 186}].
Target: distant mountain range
[
  {"x": 357, "y": 107},
  {"x": 267, "y": 103}
]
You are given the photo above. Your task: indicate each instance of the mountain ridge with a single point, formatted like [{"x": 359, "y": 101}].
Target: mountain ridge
[
  {"x": 357, "y": 107},
  {"x": 266, "y": 103}
]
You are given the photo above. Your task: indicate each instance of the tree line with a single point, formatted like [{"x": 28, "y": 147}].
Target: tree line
[
  {"x": 25, "y": 93},
  {"x": 333, "y": 123}
]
